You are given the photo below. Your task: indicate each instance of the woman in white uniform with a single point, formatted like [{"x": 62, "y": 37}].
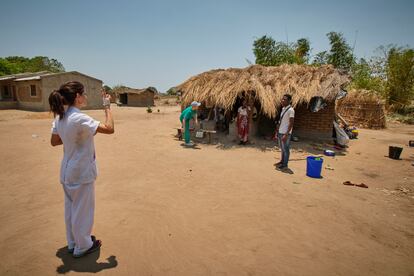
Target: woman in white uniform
[{"x": 76, "y": 130}]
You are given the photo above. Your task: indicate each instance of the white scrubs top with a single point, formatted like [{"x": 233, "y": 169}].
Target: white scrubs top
[{"x": 76, "y": 131}]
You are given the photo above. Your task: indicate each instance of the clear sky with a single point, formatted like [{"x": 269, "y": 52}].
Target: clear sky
[{"x": 161, "y": 43}]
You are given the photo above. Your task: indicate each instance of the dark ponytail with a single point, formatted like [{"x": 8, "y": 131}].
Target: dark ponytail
[
  {"x": 56, "y": 102},
  {"x": 66, "y": 95}
]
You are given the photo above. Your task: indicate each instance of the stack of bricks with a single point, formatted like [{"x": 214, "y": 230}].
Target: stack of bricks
[{"x": 314, "y": 124}]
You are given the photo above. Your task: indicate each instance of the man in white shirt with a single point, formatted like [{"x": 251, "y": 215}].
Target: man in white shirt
[{"x": 284, "y": 130}]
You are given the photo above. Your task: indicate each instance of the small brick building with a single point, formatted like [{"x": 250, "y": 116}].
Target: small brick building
[
  {"x": 30, "y": 91},
  {"x": 136, "y": 97}
]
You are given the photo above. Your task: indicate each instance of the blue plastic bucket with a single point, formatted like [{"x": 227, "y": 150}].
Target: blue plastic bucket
[{"x": 314, "y": 166}]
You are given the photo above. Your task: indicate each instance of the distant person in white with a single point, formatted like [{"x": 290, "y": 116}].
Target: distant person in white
[
  {"x": 76, "y": 130},
  {"x": 243, "y": 123},
  {"x": 284, "y": 130}
]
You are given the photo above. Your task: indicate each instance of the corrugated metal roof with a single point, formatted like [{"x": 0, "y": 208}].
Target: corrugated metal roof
[
  {"x": 22, "y": 75},
  {"x": 7, "y": 78},
  {"x": 28, "y": 78},
  {"x": 39, "y": 75}
]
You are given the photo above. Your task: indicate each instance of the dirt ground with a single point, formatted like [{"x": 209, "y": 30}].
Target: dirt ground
[{"x": 162, "y": 209}]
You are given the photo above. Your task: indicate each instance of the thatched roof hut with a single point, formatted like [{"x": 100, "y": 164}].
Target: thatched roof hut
[
  {"x": 129, "y": 90},
  {"x": 265, "y": 85},
  {"x": 135, "y": 97},
  {"x": 363, "y": 108}
]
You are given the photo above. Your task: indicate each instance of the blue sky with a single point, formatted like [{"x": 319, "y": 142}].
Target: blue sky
[{"x": 162, "y": 43}]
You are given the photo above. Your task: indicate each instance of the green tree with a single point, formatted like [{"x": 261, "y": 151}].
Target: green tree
[
  {"x": 340, "y": 54},
  {"x": 284, "y": 53},
  {"x": 302, "y": 50},
  {"x": 107, "y": 88},
  {"x": 391, "y": 73},
  {"x": 172, "y": 91},
  {"x": 18, "y": 64},
  {"x": 321, "y": 58},
  {"x": 400, "y": 77},
  {"x": 363, "y": 77},
  {"x": 264, "y": 50},
  {"x": 5, "y": 67},
  {"x": 378, "y": 63},
  {"x": 53, "y": 65},
  {"x": 41, "y": 63},
  {"x": 269, "y": 52}
]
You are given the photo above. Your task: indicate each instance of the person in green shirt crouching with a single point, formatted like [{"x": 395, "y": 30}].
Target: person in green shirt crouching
[{"x": 185, "y": 118}]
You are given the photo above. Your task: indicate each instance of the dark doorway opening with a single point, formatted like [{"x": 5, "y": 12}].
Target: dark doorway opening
[{"x": 123, "y": 98}]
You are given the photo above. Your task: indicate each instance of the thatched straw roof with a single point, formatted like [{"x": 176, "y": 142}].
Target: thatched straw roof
[
  {"x": 264, "y": 84},
  {"x": 128, "y": 90},
  {"x": 361, "y": 96},
  {"x": 362, "y": 108}
]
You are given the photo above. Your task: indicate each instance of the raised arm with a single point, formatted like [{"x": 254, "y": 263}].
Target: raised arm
[{"x": 107, "y": 127}]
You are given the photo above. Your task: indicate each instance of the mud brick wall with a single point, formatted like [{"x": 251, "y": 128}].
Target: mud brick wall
[{"x": 314, "y": 124}]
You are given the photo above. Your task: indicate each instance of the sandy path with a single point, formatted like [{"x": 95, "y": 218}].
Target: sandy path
[{"x": 162, "y": 209}]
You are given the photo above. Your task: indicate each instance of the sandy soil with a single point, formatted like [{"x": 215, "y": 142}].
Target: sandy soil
[{"x": 162, "y": 209}]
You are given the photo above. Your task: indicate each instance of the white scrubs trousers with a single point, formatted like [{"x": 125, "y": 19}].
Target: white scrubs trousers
[{"x": 79, "y": 215}]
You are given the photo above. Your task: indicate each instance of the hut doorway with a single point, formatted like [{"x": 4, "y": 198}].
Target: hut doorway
[
  {"x": 123, "y": 98},
  {"x": 253, "y": 115},
  {"x": 265, "y": 126}
]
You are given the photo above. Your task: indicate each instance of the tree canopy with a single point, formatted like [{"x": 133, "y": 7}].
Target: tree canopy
[
  {"x": 107, "y": 88},
  {"x": 269, "y": 52},
  {"x": 391, "y": 73},
  {"x": 172, "y": 91},
  {"x": 400, "y": 77},
  {"x": 17, "y": 64},
  {"x": 340, "y": 55}
]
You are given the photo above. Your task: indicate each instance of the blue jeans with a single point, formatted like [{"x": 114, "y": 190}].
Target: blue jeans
[{"x": 284, "y": 147}]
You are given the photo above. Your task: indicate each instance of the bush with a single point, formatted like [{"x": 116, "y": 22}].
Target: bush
[
  {"x": 406, "y": 119},
  {"x": 400, "y": 78}
]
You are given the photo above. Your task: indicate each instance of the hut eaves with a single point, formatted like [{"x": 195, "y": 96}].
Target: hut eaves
[{"x": 264, "y": 84}]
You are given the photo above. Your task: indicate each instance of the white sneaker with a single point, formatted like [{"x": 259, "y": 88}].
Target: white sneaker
[{"x": 189, "y": 144}]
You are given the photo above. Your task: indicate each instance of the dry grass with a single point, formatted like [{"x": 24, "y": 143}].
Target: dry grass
[
  {"x": 363, "y": 108},
  {"x": 266, "y": 85},
  {"x": 361, "y": 96},
  {"x": 128, "y": 90}
]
